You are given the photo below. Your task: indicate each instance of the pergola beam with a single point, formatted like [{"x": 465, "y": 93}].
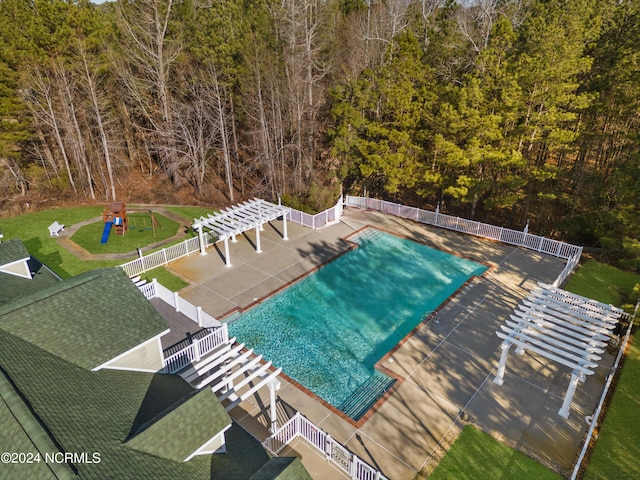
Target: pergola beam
[
  {"x": 587, "y": 301},
  {"x": 578, "y": 329},
  {"x": 238, "y": 219},
  {"x": 545, "y": 354},
  {"x": 545, "y": 308},
  {"x": 557, "y": 303},
  {"x": 534, "y": 327}
]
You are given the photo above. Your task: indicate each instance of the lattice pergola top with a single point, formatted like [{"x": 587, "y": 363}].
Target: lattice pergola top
[
  {"x": 241, "y": 217},
  {"x": 560, "y": 326}
]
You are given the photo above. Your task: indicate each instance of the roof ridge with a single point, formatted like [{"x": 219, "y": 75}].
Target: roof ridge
[
  {"x": 42, "y": 438},
  {"x": 168, "y": 410},
  {"x": 201, "y": 415}
]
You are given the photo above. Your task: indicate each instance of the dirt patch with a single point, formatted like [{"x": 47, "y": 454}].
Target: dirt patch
[{"x": 135, "y": 187}]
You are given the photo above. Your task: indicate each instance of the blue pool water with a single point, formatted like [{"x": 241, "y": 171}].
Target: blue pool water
[{"x": 328, "y": 330}]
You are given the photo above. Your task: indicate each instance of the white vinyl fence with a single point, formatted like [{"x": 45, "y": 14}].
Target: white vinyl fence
[
  {"x": 318, "y": 220},
  {"x": 299, "y": 426},
  {"x": 595, "y": 418},
  {"x": 521, "y": 238},
  {"x": 157, "y": 290},
  {"x": 569, "y": 252},
  {"x": 196, "y": 350},
  {"x": 166, "y": 255}
]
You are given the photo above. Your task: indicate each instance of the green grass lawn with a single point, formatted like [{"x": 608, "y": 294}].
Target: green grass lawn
[
  {"x": 602, "y": 282},
  {"x": 32, "y": 229},
  {"x": 166, "y": 278},
  {"x": 617, "y": 449},
  {"x": 191, "y": 213},
  {"x": 476, "y": 455},
  {"x": 141, "y": 232}
]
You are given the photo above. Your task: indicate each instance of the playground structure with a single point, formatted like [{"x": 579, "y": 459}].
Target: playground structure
[
  {"x": 138, "y": 222},
  {"x": 115, "y": 216}
]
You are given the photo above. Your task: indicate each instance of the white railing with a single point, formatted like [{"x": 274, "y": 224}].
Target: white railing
[
  {"x": 157, "y": 290},
  {"x": 318, "y": 220},
  {"x": 595, "y": 418},
  {"x": 162, "y": 257},
  {"x": 501, "y": 234},
  {"x": 569, "y": 252},
  {"x": 148, "y": 290},
  {"x": 196, "y": 350},
  {"x": 299, "y": 426},
  {"x": 572, "y": 263}
]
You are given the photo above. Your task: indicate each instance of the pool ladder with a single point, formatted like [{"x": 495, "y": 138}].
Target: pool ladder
[{"x": 366, "y": 395}]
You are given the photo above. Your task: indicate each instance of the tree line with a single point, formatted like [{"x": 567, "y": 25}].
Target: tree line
[{"x": 500, "y": 110}]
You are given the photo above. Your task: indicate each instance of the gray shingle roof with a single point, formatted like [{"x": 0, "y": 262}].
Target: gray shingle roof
[
  {"x": 22, "y": 433},
  {"x": 282, "y": 468},
  {"x": 183, "y": 430},
  {"x": 98, "y": 411},
  {"x": 12, "y": 286},
  {"x": 51, "y": 333},
  {"x": 12, "y": 250},
  {"x": 87, "y": 320}
]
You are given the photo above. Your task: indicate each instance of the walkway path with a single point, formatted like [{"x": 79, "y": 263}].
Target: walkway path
[{"x": 65, "y": 237}]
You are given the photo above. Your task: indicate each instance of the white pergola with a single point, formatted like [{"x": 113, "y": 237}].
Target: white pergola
[
  {"x": 234, "y": 374},
  {"x": 560, "y": 326},
  {"x": 235, "y": 220}
]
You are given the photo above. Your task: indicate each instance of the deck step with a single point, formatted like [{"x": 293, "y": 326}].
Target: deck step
[
  {"x": 367, "y": 235},
  {"x": 366, "y": 395}
]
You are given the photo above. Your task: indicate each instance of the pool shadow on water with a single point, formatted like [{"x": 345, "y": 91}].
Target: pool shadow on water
[{"x": 320, "y": 253}]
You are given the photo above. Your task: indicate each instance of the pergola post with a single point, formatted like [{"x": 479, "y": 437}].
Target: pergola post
[
  {"x": 284, "y": 226},
  {"x": 227, "y": 258},
  {"x": 258, "y": 247},
  {"x": 200, "y": 239},
  {"x": 568, "y": 397},
  {"x": 499, "y": 380},
  {"x": 237, "y": 220},
  {"x": 274, "y": 386}
]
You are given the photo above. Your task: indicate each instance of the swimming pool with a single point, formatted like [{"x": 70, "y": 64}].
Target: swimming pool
[{"x": 328, "y": 330}]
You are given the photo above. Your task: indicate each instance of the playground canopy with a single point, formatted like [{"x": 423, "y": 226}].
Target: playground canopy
[
  {"x": 235, "y": 220},
  {"x": 560, "y": 326}
]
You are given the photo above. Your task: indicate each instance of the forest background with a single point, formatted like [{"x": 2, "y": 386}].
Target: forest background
[{"x": 512, "y": 112}]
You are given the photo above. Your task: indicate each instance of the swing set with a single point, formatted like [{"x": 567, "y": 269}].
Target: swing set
[{"x": 144, "y": 222}]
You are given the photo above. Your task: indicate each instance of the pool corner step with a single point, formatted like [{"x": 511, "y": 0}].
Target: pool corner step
[
  {"x": 366, "y": 395},
  {"x": 367, "y": 235}
]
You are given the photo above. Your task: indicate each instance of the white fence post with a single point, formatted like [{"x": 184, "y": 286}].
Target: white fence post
[
  {"x": 327, "y": 447},
  {"x": 196, "y": 349},
  {"x": 176, "y": 305},
  {"x": 353, "y": 467},
  {"x": 199, "y": 315}
]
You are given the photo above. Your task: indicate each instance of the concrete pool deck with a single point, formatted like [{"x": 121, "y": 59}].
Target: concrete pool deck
[{"x": 445, "y": 367}]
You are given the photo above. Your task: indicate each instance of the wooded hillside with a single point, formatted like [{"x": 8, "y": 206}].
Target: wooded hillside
[{"x": 500, "y": 110}]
